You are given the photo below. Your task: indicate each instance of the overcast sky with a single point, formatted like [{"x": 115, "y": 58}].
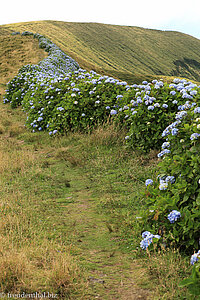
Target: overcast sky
[{"x": 183, "y": 16}]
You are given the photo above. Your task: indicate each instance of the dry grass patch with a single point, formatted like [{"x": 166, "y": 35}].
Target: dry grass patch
[
  {"x": 107, "y": 135},
  {"x": 39, "y": 268},
  {"x": 166, "y": 269},
  {"x": 12, "y": 162}
]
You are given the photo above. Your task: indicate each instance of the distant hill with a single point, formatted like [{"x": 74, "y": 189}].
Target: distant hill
[{"x": 126, "y": 52}]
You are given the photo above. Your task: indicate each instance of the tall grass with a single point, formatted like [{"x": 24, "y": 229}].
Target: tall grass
[{"x": 29, "y": 260}]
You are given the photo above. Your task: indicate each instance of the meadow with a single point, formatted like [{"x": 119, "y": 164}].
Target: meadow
[{"x": 102, "y": 180}]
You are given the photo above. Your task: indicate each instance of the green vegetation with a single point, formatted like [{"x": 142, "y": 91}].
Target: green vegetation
[
  {"x": 71, "y": 204},
  {"x": 129, "y": 53},
  {"x": 55, "y": 193},
  {"x": 16, "y": 51}
]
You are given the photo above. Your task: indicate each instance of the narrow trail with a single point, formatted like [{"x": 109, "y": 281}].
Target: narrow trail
[
  {"x": 72, "y": 212},
  {"x": 113, "y": 274}
]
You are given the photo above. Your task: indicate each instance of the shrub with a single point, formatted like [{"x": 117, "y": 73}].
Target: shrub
[
  {"x": 153, "y": 106},
  {"x": 178, "y": 184}
]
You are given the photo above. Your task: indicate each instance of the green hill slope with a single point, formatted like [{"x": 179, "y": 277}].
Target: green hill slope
[
  {"x": 126, "y": 52},
  {"x": 15, "y": 52}
]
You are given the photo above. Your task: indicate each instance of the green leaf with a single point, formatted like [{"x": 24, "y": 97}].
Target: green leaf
[
  {"x": 186, "y": 282},
  {"x": 198, "y": 199}
]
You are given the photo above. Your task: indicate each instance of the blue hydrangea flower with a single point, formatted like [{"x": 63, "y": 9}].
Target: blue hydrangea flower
[
  {"x": 170, "y": 179},
  {"x": 194, "y": 258},
  {"x": 193, "y": 93},
  {"x": 174, "y": 216},
  {"x": 194, "y": 136},
  {"x": 139, "y": 100},
  {"x": 113, "y": 112},
  {"x": 174, "y": 131},
  {"x": 156, "y": 104},
  {"x": 60, "y": 108},
  {"x": 175, "y": 102},
  {"x": 180, "y": 115},
  {"x": 145, "y": 243},
  {"x": 134, "y": 103},
  {"x": 147, "y": 239},
  {"x": 197, "y": 110},
  {"x": 165, "y": 145},
  {"x": 150, "y": 107},
  {"x": 163, "y": 152},
  {"x": 148, "y": 182},
  {"x": 163, "y": 186},
  {"x": 165, "y": 105},
  {"x": 146, "y": 234}
]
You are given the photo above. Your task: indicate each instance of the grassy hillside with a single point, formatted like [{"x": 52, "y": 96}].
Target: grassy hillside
[
  {"x": 126, "y": 52},
  {"x": 16, "y": 51}
]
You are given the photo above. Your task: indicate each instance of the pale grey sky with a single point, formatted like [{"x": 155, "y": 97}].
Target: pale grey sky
[{"x": 175, "y": 15}]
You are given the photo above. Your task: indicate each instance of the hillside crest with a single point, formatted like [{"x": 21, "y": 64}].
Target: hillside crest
[{"x": 126, "y": 52}]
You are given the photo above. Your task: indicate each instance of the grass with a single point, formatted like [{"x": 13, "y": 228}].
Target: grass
[
  {"x": 67, "y": 215},
  {"x": 47, "y": 212},
  {"x": 16, "y": 51},
  {"x": 31, "y": 259},
  {"x": 129, "y": 53}
]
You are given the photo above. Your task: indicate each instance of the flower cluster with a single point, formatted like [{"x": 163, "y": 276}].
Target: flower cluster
[
  {"x": 149, "y": 114},
  {"x": 195, "y": 258},
  {"x": 148, "y": 182},
  {"x": 173, "y": 216},
  {"x": 147, "y": 239}
]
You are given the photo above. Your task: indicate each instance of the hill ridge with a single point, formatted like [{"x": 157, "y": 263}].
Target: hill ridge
[{"x": 129, "y": 53}]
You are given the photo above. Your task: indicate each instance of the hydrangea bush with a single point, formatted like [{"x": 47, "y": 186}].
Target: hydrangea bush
[
  {"x": 59, "y": 96},
  {"x": 174, "y": 197},
  {"x": 75, "y": 102},
  {"x": 151, "y": 107}
]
